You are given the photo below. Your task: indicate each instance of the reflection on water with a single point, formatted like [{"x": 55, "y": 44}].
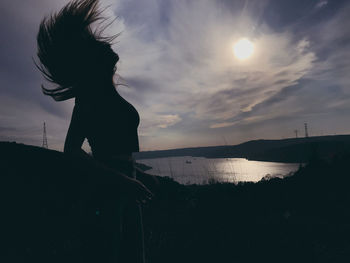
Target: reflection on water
[{"x": 199, "y": 170}]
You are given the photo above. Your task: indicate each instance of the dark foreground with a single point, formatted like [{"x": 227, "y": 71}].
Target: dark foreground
[{"x": 303, "y": 218}]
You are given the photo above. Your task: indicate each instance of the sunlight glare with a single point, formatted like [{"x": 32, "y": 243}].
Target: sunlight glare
[{"x": 243, "y": 49}]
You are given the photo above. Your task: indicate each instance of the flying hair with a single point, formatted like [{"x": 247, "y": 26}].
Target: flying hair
[{"x": 65, "y": 45}]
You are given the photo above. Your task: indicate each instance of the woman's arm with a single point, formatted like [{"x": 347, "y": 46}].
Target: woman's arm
[
  {"x": 75, "y": 135},
  {"x": 148, "y": 180},
  {"x": 72, "y": 147},
  {"x": 74, "y": 140}
]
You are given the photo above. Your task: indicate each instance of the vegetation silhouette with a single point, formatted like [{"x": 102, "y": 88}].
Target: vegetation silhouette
[
  {"x": 82, "y": 63},
  {"x": 302, "y": 218}
]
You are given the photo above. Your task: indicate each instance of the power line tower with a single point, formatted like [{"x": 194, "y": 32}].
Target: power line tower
[
  {"x": 45, "y": 145},
  {"x": 306, "y": 132}
]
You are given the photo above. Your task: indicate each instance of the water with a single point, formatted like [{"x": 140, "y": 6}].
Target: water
[{"x": 199, "y": 170}]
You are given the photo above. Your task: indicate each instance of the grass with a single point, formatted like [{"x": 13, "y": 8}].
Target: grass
[{"x": 302, "y": 218}]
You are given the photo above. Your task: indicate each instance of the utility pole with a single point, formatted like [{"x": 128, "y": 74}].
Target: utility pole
[
  {"x": 306, "y": 132},
  {"x": 45, "y": 145}
]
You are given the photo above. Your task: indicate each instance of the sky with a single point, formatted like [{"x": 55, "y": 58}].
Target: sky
[{"x": 177, "y": 59}]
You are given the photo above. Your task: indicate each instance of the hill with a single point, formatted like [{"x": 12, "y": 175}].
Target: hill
[
  {"x": 294, "y": 150},
  {"x": 302, "y": 218}
]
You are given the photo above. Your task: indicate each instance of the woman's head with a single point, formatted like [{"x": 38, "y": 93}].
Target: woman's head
[{"x": 71, "y": 54}]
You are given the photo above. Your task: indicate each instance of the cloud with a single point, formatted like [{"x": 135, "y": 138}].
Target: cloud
[
  {"x": 168, "y": 120},
  {"x": 151, "y": 122},
  {"x": 177, "y": 59},
  {"x": 193, "y": 67},
  {"x": 321, "y": 4},
  {"x": 222, "y": 125}
]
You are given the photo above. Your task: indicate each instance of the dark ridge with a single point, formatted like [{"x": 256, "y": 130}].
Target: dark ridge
[{"x": 287, "y": 150}]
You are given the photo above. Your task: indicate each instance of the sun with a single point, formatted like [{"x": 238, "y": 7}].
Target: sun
[{"x": 243, "y": 49}]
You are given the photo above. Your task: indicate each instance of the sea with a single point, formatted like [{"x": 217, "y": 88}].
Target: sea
[{"x": 199, "y": 170}]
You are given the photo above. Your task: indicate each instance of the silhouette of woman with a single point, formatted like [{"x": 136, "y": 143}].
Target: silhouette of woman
[{"x": 82, "y": 63}]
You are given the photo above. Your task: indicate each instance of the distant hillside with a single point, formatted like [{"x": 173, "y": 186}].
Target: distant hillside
[{"x": 286, "y": 150}]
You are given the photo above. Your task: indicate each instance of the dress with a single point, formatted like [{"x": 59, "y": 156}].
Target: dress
[
  {"x": 110, "y": 125},
  {"x": 111, "y": 130}
]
